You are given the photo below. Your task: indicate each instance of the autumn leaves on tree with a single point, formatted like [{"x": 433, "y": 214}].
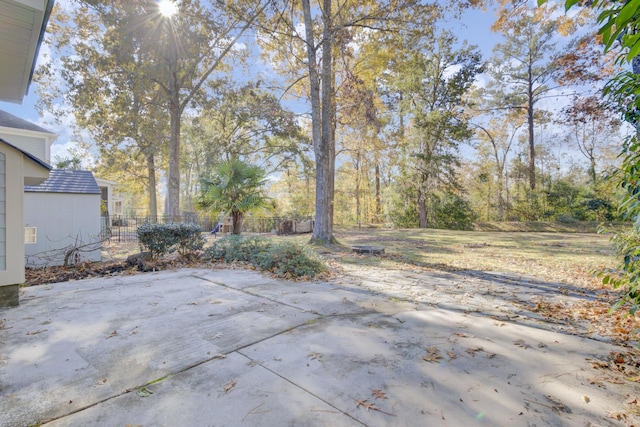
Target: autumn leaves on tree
[{"x": 385, "y": 104}]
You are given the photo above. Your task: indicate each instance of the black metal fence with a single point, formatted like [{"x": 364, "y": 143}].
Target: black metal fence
[{"x": 122, "y": 228}]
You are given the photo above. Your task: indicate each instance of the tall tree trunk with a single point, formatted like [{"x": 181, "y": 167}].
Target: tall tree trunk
[
  {"x": 500, "y": 189},
  {"x": 378, "y": 195},
  {"x": 153, "y": 200},
  {"x": 322, "y": 123},
  {"x": 358, "y": 188},
  {"x": 488, "y": 213},
  {"x": 423, "y": 216},
  {"x": 173, "y": 190},
  {"x": 175, "y": 113},
  {"x": 237, "y": 218},
  {"x": 532, "y": 147},
  {"x": 592, "y": 168}
]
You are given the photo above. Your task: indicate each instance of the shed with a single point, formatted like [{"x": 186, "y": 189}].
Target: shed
[{"x": 62, "y": 219}]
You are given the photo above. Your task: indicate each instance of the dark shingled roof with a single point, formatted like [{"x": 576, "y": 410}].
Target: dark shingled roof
[
  {"x": 66, "y": 181},
  {"x": 8, "y": 120}
]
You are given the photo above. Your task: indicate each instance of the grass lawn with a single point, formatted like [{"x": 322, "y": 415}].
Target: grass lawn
[
  {"x": 570, "y": 258},
  {"x": 564, "y": 257}
]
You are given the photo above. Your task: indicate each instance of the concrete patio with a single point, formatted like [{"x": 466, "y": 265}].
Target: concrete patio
[{"x": 230, "y": 347}]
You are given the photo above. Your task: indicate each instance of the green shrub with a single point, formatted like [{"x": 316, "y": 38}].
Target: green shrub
[
  {"x": 286, "y": 259},
  {"x": 161, "y": 239},
  {"x": 452, "y": 212},
  {"x": 189, "y": 239},
  {"x": 236, "y": 248},
  {"x": 291, "y": 260}
]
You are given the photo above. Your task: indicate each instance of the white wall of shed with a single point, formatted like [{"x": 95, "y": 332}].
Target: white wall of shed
[{"x": 63, "y": 220}]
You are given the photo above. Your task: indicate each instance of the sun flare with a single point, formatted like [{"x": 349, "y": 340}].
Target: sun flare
[{"x": 167, "y": 8}]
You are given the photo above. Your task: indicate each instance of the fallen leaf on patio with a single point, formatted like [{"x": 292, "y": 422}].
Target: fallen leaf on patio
[
  {"x": 521, "y": 343},
  {"x": 617, "y": 415},
  {"x": 586, "y": 399},
  {"x": 36, "y": 332},
  {"x": 192, "y": 303},
  {"x": 143, "y": 392},
  {"x": 315, "y": 356},
  {"x": 619, "y": 358},
  {"x": 371, "y": 406},
  {"x": 631, "y": 400},
  {"x": 229, "y": 386},
  {"x": 558, "y": 406},
  {"x": 473, "y": 351},
  {"x": 379, "y": 394},
  {"x": 452, "y": 355},
  {"x": 599, "y": 364},
  {"x": 219, "y": 356},
  {"x": 433, "y": 355},
  {"x": 461, "y": 334},
  {"x": 112, "y": 334}
]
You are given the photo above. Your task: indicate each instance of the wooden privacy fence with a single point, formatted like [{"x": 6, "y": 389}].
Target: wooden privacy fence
[{"x": 122, "y": 228}]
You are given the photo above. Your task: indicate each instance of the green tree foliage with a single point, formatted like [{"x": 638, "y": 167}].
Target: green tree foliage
[
  {"x": 103, "y": 54},
  {"x": 239, "y": 122},
  {"x": 593, "y": 129},
  {"x": 495, "y": 141},
  {"x": 143, "y": 68},
  {"x": 235, "y": 188},
  {"x": 294, "y": 191},
  {"x": 305, "y": 40},
  {"x": 619, "y": 22},
  {"x": 433, "y": 87},
  {"x": 74, "y": 163},
  {"x": 523, "y": 71}
]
